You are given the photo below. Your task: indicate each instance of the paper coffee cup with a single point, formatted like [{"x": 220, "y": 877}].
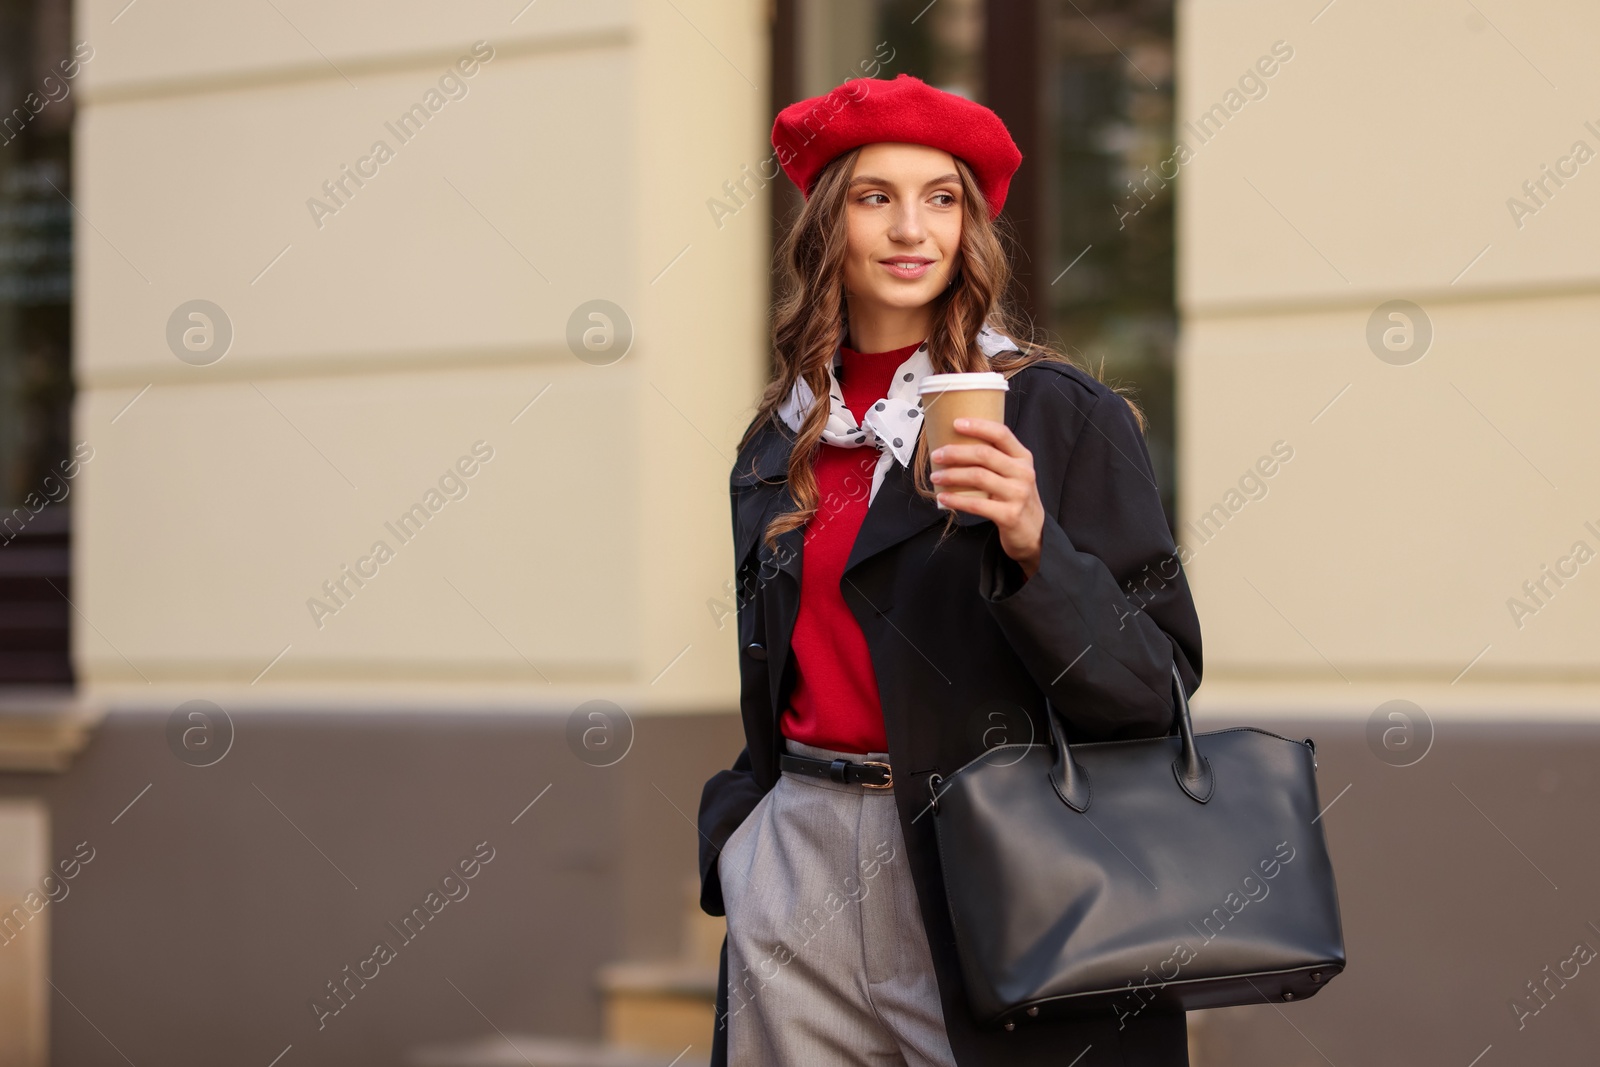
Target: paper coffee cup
[{"x": 948, "y": 397}]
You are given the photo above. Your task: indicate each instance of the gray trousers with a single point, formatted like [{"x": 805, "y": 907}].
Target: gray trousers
[{"x": 828, "y": 961}]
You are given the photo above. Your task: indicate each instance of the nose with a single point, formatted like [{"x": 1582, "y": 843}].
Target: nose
[{"x": 908, "y": 225}]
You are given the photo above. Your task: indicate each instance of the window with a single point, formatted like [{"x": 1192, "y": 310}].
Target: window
[
  {"x": 35, "y": 338},
  {"x": 1108, "y": 288}
]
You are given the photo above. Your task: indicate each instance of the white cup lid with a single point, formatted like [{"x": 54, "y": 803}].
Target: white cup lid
[{"x": 944, "y": 383}]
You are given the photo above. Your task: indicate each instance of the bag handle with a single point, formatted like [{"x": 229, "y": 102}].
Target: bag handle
[{"x": 1190, "y": 768}]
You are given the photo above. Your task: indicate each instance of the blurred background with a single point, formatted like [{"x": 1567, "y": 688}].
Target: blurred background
[{"x": 370, "y": 376}]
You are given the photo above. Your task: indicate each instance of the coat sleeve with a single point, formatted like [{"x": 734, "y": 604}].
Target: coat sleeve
[
  {"x": 726, "y": 799},
  {"x": 729, "y": 796},
  {"x": 1102, "y": 621}
]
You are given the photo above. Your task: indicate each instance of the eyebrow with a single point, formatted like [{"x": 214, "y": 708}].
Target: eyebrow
[{"x": 868, "y": 179}]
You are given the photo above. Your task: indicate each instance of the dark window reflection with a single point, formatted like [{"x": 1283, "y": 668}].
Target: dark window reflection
[
  {"x": 39, "y": 67},
  {"x": 941, "y": 43},
  {"x": 1108, "y": 292}
]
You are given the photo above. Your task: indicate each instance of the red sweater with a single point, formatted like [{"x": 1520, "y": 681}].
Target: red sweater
[{"x": 835, "y": 699}]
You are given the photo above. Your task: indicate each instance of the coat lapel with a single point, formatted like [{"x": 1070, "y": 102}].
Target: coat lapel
[
  {"x": 760, "y": 483},
  {"x": 897, "y": 513}
]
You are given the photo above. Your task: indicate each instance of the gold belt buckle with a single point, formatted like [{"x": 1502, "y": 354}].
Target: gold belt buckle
[{"x": 888, "y": 770}]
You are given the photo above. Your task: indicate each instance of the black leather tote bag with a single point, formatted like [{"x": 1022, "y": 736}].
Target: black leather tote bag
[{"x": 1182, "y": 872}]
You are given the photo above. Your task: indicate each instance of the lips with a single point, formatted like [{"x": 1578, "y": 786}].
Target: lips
[{"x": 907, "y": 266}]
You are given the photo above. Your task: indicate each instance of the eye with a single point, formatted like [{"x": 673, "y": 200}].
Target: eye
[
  {"x": 869, "y": 196},
  {"x": 949, "y": 199}
]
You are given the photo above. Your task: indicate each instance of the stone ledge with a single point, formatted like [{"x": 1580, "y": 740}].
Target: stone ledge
[
  {"x": 43, "y": 729},
  {"x": 665, "y": 978},
  {"x": 520, "y": 1050}
]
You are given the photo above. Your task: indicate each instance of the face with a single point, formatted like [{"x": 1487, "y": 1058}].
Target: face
[{"x": 903, "y": 212}]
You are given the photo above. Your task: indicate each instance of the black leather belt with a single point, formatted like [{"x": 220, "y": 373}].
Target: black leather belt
[{"x": 873, "y": 774}]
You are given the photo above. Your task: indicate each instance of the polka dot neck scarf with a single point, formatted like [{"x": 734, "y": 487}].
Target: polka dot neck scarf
[{"x": 891, "y": 425}]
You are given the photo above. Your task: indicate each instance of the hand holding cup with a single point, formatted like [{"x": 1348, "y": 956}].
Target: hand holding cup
[{"x": 979, "y": 466}]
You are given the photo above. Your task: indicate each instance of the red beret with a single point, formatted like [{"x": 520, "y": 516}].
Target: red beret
[{"x": 809, "y": 134}]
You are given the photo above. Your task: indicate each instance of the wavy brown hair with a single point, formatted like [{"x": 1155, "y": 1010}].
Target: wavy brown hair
[{"x": 809, "y": 322}]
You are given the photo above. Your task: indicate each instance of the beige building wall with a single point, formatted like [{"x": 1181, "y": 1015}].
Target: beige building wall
[
  {"x": 375, "y": 345},
  {"x": 1422, "y": 493}
]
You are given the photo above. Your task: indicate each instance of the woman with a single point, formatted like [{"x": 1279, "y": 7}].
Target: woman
[{"x": 880, "y": 645}]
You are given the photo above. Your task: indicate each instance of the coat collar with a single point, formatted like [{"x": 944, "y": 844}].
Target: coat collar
[{"x": 760, "y": 484}]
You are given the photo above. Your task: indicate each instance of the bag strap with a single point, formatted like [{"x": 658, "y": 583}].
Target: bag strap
[{"x": 1190, "y": 768}]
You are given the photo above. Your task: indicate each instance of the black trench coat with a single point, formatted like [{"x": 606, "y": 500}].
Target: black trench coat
[{"x": 960, "y": 642}]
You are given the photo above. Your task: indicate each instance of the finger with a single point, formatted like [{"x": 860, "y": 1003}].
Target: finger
[
  {"x": 987, "y": 457},
  {"x": 993, "y": 431},
  {"x": 959, "y": 501},
  {"x": 977, "y": 505},
  {"x": 980, "y": 478}
]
